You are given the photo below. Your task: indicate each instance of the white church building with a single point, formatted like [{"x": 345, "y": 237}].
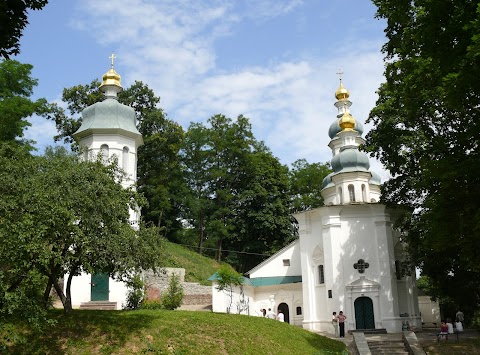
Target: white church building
[
  {"x": 347, "y": 257},
  {"x": 108, "y": 128}
]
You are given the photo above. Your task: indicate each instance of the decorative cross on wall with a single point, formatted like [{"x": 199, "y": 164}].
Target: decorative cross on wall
[{"x": 361, "y": 265}]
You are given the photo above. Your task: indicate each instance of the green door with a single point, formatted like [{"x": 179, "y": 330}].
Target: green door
[
  {"x": 364, "y": 313},
  {"x": 99, "y": 287}
]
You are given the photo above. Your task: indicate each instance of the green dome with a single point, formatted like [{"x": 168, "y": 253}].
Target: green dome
[
  {"x": 376, "y": 179},
  {"x": 108, "y": 115},
  {"x": 350, "y": 160},
  {"x": 327, "y": 181}
]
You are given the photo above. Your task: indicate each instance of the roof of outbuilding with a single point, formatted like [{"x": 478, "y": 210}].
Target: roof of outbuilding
[{"x": 265, "y": 281}]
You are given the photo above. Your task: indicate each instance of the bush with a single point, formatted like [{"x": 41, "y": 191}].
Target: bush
[
  {"x": 151, "y": 304},
  {"x": 475, "y": 321},
  {"x": 172, "y": 298},
  {"x": 136, "y": 292}
]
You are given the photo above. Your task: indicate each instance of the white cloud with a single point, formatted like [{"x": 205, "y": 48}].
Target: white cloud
[{"x": 170, "y": 45}]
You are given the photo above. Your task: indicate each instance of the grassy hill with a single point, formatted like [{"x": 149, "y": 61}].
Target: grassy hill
[
  {"x": 171, "y": 332},
  {"x": 198, "y": 268}
]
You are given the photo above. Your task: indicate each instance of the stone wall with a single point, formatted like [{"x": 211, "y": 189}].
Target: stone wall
[{"x": 194, "y": 293}]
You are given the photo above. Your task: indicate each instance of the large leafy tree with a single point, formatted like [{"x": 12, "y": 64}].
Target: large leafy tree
[
  {"x": 238, "y": 192},
  {"x": 159, "y": 171},
  {"x": 16, "y": 87},
  {"x": 159, "y": 174},
  {"x": 426, "y": 133},
  {"x": 60, "y": 215},
  {"x": 306, "y": 183},
  {"x": 13, "y": 17}
]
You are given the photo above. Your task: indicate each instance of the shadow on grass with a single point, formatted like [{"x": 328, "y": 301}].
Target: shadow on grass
[{"x": 82, "y": 330}]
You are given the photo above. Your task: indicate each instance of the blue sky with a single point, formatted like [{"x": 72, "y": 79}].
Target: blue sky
[{"x": 274, "y": 61}]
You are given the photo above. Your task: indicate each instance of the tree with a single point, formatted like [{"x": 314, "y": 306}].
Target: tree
[
  {"x": 306, "y": 183},
  {"x": 238, "y": 192},
  {"x": 227, "y": 280},
  {"x": 426, "y": 133},
  {"x": 195, "y": 165},
  {"x": 173, "y": 296},
  {"x": 159, "y": 170},
  {"x": 65, "y": 216},
  {"x": 13, "y": 17},
  {"x": 263, "y": 221},
  {"x": 16, "y": 87}
]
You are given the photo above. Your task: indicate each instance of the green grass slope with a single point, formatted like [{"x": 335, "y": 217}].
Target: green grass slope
[
  {"x": 198, "y": 268},
  {"x": 172, "y": 332}
]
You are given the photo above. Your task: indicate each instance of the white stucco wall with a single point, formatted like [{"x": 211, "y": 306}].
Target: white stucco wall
[
  {"x": 274, "y": 266},
  {"x": 430, "y": 311},
  {"x": 345, "y": 234},
  {"x": 81, "y": 290},
  {"x": 262, "y": 297}
]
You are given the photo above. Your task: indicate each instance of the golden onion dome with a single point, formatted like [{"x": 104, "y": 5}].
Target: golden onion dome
[
  {"x": 111, "y": 78},
  {"x": 347, "y": 122},
  {"x": 341, "y": 93}
]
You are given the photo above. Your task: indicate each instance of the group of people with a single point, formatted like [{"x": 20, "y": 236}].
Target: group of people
[
  {"x": 338, "y": 323},
  {"x": 271, "y": 314},
  {"x": 447, "y": 326}
]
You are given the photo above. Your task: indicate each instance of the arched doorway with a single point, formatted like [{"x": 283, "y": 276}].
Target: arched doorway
[
  {"x": 364, "y": 318},
  {"x": 284, "y": 308}
]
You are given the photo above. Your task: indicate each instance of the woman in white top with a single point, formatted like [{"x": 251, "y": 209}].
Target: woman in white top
[
  {"x": 450, "y": 326},
  {"x": 458, "y": 326},
  {"x": 335, "y": 323}
]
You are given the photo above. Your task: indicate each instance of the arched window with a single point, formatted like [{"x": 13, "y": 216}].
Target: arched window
[
  {"x": 321, "y": 274},
  {"x": 340, "y": 193},
  {"x": 104, "y": 152},
  {"x": 125, "y": 159},
  {"x": 351, "y": 193},
  {"x": 364, "y": 193}
]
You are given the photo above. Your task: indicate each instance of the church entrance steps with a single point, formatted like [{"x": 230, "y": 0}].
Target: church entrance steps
[
  {"x": 369, "y": 331},
  {"x": 99, "y": 305},
  {"x": 386, "y": 344}
]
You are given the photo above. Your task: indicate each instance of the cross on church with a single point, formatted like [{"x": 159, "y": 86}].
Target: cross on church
[
  {"x": 340, "y": 73},
  {"x": 112, "y": 57},
  {"x": 361, "y": 265}
]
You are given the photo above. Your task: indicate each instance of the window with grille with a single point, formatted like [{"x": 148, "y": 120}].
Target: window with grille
[{"x": 321, "y": 275}]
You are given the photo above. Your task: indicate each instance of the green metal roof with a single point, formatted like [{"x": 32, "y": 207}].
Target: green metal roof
[
  {"x": 265, "y": 281},
  {"x": 274, "y": 280},
  {"x": 108, "y": 115}
]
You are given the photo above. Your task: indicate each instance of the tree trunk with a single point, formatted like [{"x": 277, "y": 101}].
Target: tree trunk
[
  {"x": 218, "y": 251},
  {"x": 200, "y": 241},
  {"x": 46, "y": 294},
  {"x": 61, "y": 295}
]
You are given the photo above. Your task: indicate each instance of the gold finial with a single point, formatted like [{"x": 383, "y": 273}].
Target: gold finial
[
  {"x": 341, "y": 93},
  {"x": 111, "y": 78},
  {"x": 347, "y": 122},
  {"x": 113, "y": 57}
]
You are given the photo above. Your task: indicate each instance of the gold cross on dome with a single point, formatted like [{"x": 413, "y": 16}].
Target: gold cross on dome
[
  {"x": 112, "y": 57},
  {"x": 340, "y": 73}
]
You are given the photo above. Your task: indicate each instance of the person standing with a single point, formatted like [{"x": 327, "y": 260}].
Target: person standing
[
  {"x": 459, "y": 316},
  {"x": 449, "y": 326},
  {"x": 335, "y": 323},
  {"x": 280, "y": 316},
  {"x": 271, "y": 314},
  {"x": 341, "y": 323}
]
